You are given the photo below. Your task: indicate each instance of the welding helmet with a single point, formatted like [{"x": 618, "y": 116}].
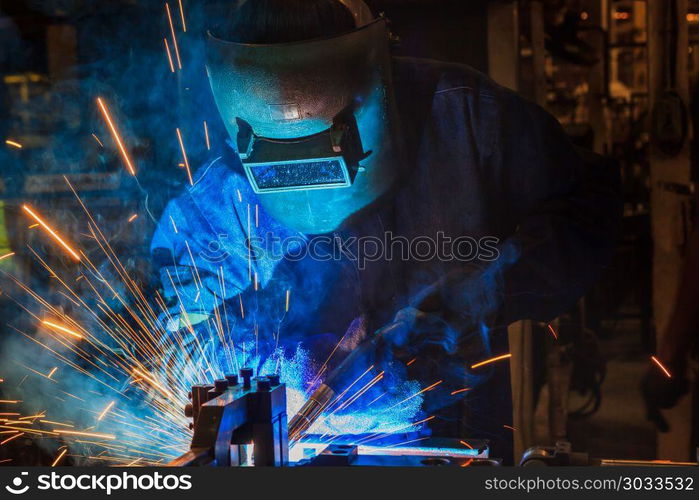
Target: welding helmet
[{"x": 312, "y": 121}]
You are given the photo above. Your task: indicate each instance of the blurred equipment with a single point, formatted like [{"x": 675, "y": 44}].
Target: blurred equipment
[{"x": 562, "y": 455}]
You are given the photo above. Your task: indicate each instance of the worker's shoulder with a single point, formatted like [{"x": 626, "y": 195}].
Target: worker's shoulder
[{"x": 433, "y": 77}]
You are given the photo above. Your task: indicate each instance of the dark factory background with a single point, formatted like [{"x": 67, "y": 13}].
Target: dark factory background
[{"x": 599, "y": 66}]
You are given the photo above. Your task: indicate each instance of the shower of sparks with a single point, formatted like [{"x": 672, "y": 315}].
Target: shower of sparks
[
  {"x": 59, "y": 457},
  {"x": 206, "y": 135},
  {"x": 63, "y": 329},
  {"x": 553, "y": 332},
  {"x": 116, "y": 136},
  {"x": 174, "y": 37},
  {"x": 121, "y": 388},
  {"x": 184, "y": 24},
  {"x": 14, "y": 144},
  {"x": 169, "y": 56},
  {"x": 105, "y": 411},
  {"x": 661, "y": 366},
  {"x": 51, "y": 232},
  {"x": 184, "y": 157},
  {"x": 491, "y": 360}
]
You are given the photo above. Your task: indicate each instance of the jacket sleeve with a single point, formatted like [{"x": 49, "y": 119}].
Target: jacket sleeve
[
  {"x": 565, "y": 211},
  {"x": 199, "y": 251}
]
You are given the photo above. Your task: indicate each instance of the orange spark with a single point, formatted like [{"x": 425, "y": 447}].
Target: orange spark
[
  {"x": 169, "y": 56},
  {"x": 53, "y": 370},
  {"x": 509, "y": 427},
  {"x": 7, "y": 255},
  {"x": 105, "y": 411},
  {"x": 206, "y": 135},
  {"x": 89, "y": 434},
  {"x": 59, "y": 457},
  {"x": 459, "y": 391},
  {"x": 98, "y": 140},
  {"x": 55, "y": 423},
  {"x": 410, "y": 362},
  {"x": 51, "y": 232},
  {"x": 661, "y": 366},
  {"x": 184, "y": 156},
  {"x": 174, "y": 38},
  {"x": 470, "y": 460},
  {"x": 14, "y": 144},
  {"x": 553, "y": 332},
  {"x": 11, "y": 438},
  {"x": 288, "y": 295},
  {"x": 10, "y": 401},
  {"x": 63, "y": 329},
  {"x": 132, "y": 218},
  {"x": 116, "y": 136},
  {"x": 184, "y": 25},
  {"x": 491, "y": 360}
]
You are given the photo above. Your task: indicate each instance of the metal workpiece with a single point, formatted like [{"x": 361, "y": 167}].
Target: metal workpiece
[
  {"x": 240, "y": 416},
  {"x": 246, "y": 374},
  {"x": 310, "y": 411}
]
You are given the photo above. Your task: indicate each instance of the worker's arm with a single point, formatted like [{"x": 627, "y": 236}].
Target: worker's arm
[
  {"x": 567, "y": 211},
  {"x": 556, "y": 209},
  {"x": 199, "y": 248}
]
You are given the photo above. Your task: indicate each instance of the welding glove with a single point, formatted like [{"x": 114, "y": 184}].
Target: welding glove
[{"x": 662, "y": 392}]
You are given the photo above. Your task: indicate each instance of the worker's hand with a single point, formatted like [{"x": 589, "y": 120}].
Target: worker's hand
[
  {"x": 662, "y": 392},
  {"x": 413, "y": 331}
]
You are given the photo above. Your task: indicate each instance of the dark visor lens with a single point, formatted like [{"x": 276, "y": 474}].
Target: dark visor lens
[{"x": 302, "y": 174}]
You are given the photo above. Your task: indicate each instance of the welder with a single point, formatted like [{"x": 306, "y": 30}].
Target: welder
[{"x": 325, "y": 217}]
